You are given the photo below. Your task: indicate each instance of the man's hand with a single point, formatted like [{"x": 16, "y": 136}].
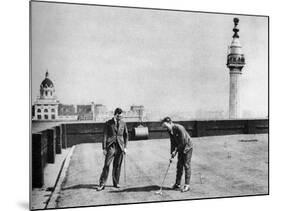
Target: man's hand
[
  {"x": 104, "y": 152},
  {"x": 174, "y": 153},
  {"x": 125, "y": 151}
]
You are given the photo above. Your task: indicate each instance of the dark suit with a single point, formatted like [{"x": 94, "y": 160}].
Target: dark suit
[
  {"x": 181, "y": 142},
  {"x": 114, "y": 142}
]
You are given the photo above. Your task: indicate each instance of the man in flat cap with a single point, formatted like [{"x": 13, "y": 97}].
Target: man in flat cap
[
  {"x": 114, "y": 146},
  {"x": 181, "y": 144}
]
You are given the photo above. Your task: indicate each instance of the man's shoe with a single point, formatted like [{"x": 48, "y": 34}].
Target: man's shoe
[
  {"x": 185, "y": 188},
  {"x": 116, "y": 186},
  {"x": 176, "y": 187},
  {"x": 100, "y": 188}
]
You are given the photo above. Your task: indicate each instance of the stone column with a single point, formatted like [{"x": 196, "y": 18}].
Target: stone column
[
  {"x": 234, "y": 95},
  {"x": 235, "y": 63}
]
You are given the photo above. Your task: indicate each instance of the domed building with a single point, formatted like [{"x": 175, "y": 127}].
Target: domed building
[
  {"x": 46, "y": 105},
  {"x": 48, "y": 108}
]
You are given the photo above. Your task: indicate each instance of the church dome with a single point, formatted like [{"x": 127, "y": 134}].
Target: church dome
[{"x": 47, "y": 82}]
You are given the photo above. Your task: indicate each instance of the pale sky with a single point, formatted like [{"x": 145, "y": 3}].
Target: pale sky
[{"x": 165, "y": 60}]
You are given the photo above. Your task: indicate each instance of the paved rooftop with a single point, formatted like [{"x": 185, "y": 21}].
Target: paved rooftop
[{"x": 222, "y": 166}]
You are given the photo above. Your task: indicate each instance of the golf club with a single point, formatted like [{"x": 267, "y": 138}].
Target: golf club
[
  {"x": 159, "y": 192},
  {"x": 125, "y": 168}
]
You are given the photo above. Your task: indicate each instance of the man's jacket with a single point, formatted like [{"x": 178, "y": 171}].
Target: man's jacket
[
  {"x": 112, "y": 134},
  {"x": 180, "y": 139}
]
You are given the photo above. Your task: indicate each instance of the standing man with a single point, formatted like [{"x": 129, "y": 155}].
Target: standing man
[
  {"x": 114, "y": 146},
  {"x": 181, "y": 144}
]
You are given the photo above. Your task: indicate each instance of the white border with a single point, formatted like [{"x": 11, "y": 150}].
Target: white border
[{"x": 14, "y": 18}]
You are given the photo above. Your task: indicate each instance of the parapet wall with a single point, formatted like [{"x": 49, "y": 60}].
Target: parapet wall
[{"x": 93, "y": 132}]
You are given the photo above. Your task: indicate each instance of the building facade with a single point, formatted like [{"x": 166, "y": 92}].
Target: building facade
[
  {"x": 46, "y": 105},
  {"x": 136, "y": 113},
  {"x": 67, "y": 112}
]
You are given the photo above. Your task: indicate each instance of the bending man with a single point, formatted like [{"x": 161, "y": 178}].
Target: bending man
[{"x": 181, "y": 144}]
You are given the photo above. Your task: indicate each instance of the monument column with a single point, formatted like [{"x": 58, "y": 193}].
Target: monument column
[{"x": 235, "y": 63}]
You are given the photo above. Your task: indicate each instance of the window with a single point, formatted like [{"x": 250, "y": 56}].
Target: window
[
  {"x": 46, "y": 116},
  {"x": 38, "y": 110},
  {"x": 53, "y": 116},
  {"x": 38, "y": 116},
  {"x": 46, "y": 110},
  {"x": 53, "y": 110}
]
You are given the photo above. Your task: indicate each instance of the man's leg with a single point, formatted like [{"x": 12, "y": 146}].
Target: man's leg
[
  {"x": 179, "y": 168},
  {"x": 108, "y": 159},
  {"x": 187, "y": 169},
  {"x": 117, "y": 163}
]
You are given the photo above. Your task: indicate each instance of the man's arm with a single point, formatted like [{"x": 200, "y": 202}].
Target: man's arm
[
  {"x": 105, "y": 132},
  {"x": 173, "y": 147},
  {"x": 125, "y": 136}
]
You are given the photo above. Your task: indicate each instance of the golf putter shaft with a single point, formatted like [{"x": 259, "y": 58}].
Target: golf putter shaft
[
  {"x": 165, "y": 174},
  {"x": 125, "y": 168}
]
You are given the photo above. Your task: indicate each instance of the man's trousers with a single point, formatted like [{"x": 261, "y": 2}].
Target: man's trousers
[
  {"x": 113, "y": 153},
  {"x": 184, "y": 162}
]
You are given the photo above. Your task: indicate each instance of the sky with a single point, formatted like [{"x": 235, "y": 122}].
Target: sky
[{"x": 168, "y": 61}]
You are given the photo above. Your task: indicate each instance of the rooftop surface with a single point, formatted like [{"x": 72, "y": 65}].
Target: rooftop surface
[{"x": 222, "y": 166}]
